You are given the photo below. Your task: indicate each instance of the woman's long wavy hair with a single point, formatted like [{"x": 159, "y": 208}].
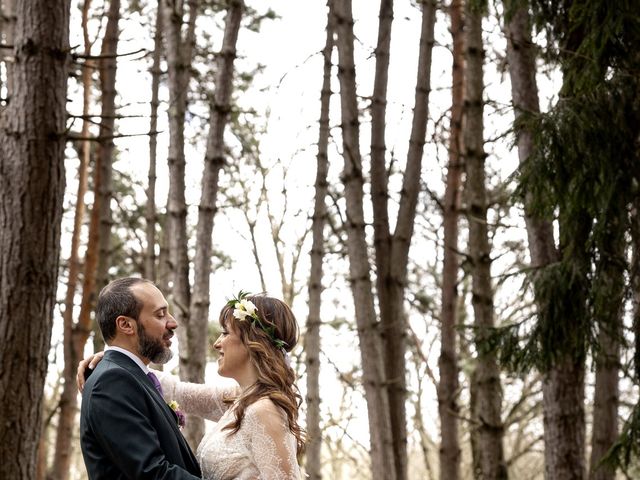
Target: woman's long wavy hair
[{"x": 276, "y": 379}]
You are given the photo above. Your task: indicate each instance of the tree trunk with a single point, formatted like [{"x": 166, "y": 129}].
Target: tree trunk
[
  {"x": 150, "y": 210},
  {"x": 107, "y": 68},
  {"x": 609, "y": 307},
  {"x": 392, "y": 322},
  {"x": 214, "y": 160},
  {"x": 163, "y": 273},
  {"x": 486, "y": 390},
  {"x": 605, "y": 405},
  {"x": 392, "y": 314},
  {"x": 41, "y": 466},
  {"x": 524, "y": 90},
  {"x": 379, "y": 177},
  {"x": 313, "y": 459},
  {"x": 32, "y": 189},
  {"x": 563, "y": 385},
  {"x": 564, "y": 433},
  {"x": 448, "y": 363},
  {"x": 68, "y": 398},
  {"x": 179, "y": 53},
  {"x": 91, "y": 256},
  {"x": 382, "y": 460}
]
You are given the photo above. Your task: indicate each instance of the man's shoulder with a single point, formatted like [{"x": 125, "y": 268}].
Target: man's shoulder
[{"x": 111, "y": 372}]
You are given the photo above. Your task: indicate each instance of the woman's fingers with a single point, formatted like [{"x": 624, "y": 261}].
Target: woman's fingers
[
  {"x": 84, "y": 368},
  {"x": 95, "y": 359}
]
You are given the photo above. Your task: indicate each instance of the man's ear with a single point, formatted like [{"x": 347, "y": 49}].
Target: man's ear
[{"x": 125, "y": 325}]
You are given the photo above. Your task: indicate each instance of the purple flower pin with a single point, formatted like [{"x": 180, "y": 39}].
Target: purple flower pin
[{"x": 173, "y": 405}]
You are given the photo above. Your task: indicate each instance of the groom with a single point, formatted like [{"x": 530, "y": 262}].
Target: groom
[{"x": 126, "y": 428}]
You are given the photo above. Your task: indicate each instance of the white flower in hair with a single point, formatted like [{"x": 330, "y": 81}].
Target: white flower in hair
[{"x": 244, "y": 308}]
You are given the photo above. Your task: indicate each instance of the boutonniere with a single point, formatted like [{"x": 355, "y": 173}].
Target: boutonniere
[{"x": 173, "y": 405}]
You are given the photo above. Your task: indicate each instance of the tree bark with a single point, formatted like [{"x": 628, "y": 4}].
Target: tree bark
[
  {"x": 605, "y": 406},
  {"x": 98, "y": 253},
  {"x": 563, "y": 384},
  {"x": 392, "y": 312},
  {"x": 564, "y": 433},
  {"x": 68, "y": 398},
  {"x": 32, "y": 189},
  {"x": 313, "y": 459},
  {"x": 107, "y": 68},
  {"x": 41, "y": 466},
  {"x": 448, "y": 363},
  {"x": 179, "y": 51},
  {"x": 392, "y": 322},
  {"x": 379, "y": 180},
  {"x": 609, "y": 291},
  {"x": 382, "y": 459},
  {"x": 91, "y": 257},
  {"x": 150, "y": 210},
  {"x": 486, "y": 389},
  {"x": 214, "y": 160},
  {"x": 524, "y": 91}
]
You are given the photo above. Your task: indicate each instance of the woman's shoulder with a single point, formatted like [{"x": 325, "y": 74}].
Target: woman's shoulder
[
  {"x": 265, "y": 408},
  {"x": 265, "y": 417}
]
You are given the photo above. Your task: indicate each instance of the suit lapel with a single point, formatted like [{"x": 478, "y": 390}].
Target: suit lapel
[{"x": 129, "y": 365}]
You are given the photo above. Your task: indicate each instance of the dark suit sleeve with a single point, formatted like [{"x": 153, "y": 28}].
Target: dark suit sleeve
[{"x": 119, "y": 414}]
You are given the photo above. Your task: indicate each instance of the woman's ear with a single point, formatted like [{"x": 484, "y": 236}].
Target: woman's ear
[{"x": 125, "y": 325}]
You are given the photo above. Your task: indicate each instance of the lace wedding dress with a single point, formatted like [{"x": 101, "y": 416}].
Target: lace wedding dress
[{"x": 264, "y": 448}]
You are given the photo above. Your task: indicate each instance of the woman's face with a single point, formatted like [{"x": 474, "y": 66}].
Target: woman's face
[{"x": 234, "y": 361}]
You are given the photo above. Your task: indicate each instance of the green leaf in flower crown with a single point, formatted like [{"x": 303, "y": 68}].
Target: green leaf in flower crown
[{"x": 238, "y": 298}]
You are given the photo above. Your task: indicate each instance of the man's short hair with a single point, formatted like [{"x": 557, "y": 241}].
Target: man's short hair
[{"x": 114, "y": 300}]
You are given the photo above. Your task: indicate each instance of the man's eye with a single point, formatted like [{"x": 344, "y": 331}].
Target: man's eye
[{"x": 224, "y": 333}]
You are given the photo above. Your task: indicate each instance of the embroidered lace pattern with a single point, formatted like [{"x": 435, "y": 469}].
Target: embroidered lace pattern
[{"x": 262, "y": 449}]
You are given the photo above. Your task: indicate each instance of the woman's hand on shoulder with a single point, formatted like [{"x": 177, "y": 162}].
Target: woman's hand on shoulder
[{"x": 84, "y": 368}]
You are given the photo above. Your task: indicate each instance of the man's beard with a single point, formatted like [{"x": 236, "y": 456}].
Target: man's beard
[{"x": 153, "y": 348}]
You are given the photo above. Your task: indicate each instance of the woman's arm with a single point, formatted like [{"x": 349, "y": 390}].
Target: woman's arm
[
  {"x": 201, "y": 399},
  {"x": 272, "y": 444}
]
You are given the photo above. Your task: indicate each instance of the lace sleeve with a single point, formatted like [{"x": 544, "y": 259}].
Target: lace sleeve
[
  {"x": 272, "y": 446},
  {"x": 199, "y": 399}
]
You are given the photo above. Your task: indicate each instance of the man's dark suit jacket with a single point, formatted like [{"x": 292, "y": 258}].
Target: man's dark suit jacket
[{"x": 127, "y": 431}]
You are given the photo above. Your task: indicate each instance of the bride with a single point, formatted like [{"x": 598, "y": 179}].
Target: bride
[{"x": 257, "y": 434}]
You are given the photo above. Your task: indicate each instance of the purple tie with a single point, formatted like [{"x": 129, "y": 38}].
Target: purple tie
[{"x": 155, "y": 381}]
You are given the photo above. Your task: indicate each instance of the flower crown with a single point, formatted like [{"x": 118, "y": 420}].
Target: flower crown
[{"x": 243, "y": 308}]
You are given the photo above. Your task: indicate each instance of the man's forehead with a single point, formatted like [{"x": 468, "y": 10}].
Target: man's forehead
[{"x": 149, "y": 295}]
